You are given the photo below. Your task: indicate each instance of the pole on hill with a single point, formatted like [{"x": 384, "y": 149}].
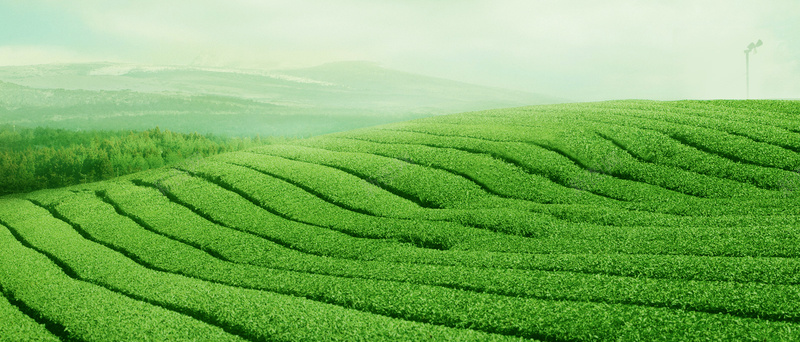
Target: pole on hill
[{"x": 751, "y": 47}]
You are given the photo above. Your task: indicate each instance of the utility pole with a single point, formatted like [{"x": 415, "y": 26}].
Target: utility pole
[{"x": 752, "y": 47}]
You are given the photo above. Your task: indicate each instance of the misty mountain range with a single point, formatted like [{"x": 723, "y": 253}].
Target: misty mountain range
[{"x": 298, "y": 102}]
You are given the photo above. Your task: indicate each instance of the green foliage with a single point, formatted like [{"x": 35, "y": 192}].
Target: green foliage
[
  {"x": 622, "y": 220},
  {"x": 84, "y": 311},
  {"x": 233, "y": 307},
  {"x": 217, "y": 204},
  {"x": 155, "y": 212},
  {"x": 15, "y": 325},
  {"x": 39, "y": 158},
  {"x": 167, "y": 273}
]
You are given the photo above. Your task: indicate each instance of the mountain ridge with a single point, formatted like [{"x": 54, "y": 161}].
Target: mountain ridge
[{"x": 298, "y": 102}]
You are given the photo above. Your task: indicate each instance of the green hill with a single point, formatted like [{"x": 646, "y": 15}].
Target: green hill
[
  {"x": 233, "y": 102},
  {"x": 623, "y": 221}
]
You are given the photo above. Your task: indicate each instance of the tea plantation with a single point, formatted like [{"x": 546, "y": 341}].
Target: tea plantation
[{"x": 609, "y": 221}]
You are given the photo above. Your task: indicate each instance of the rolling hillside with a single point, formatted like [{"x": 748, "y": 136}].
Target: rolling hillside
[
  {"x": 299, "y": 103},
  {"x": 618, "y": 221}
]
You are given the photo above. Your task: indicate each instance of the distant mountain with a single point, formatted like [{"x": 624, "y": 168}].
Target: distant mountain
[
  {"x": 367, "y": 83},
  {"x": 300, "y": 102}
]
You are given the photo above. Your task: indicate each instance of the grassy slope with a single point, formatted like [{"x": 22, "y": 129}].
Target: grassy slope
[{"x": 628, "y": 220}]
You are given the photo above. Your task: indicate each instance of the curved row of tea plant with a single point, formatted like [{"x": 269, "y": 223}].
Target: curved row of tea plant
[
  {"x": 82, "y": 310},
  {"x": 561, "y": 170},
  {"x": 622, "y": 220},
  {"x": 97, "y": 220},
  {"x": 148, "y": 268},
  {"x": 229, "y": 209},
  {"x": 153, "y": 211},
  {"x": 239, "y": 202}
]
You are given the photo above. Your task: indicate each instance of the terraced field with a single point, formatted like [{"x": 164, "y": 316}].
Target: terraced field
[{"x": 625, "y": 220}]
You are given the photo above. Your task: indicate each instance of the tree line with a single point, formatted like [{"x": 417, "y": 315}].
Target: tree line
[{"x": 39, "y": 158}]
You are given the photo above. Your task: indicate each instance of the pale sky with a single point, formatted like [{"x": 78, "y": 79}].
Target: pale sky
[{"x": 581, "y": 50}]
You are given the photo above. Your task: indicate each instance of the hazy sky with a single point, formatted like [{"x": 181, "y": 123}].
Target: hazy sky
[{"x": 583, "y": 50}]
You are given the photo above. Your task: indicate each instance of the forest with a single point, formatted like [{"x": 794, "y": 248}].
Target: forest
[{"x": 39, "y": 158}]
